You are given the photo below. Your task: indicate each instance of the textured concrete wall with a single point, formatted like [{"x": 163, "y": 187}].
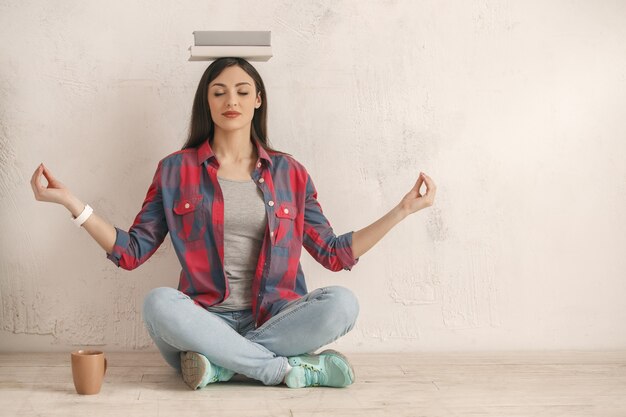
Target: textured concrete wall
[{"x": 515, "y": 109}]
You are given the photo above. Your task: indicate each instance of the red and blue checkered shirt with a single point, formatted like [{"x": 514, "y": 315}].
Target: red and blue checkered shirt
[{"x": 185, "y": 199}]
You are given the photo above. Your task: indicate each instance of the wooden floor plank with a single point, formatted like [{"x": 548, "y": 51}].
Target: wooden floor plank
[{"x": 571, "y": 383}]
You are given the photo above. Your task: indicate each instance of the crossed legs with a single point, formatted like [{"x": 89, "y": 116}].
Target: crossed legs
[{"x": 176, "y": 323}]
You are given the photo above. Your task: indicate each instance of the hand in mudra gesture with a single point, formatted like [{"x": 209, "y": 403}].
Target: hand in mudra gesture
[
  {"x": 54, "y": 192},
  {"x": 414, "y": 200}
]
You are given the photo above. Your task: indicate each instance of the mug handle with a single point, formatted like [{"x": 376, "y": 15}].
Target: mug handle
[{"x": 105, "y": 366}]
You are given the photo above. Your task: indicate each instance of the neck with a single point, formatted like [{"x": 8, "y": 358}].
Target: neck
[{"x": 233, "y": 146}]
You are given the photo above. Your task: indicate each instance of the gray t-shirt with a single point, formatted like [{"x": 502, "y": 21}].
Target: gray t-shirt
[{"x": 244, "y": 226}]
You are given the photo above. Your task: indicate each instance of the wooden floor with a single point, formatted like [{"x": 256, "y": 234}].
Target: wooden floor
[{"x": 564, "y": 383}]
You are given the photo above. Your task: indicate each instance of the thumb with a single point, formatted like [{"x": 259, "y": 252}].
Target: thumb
[
  {"x": 48, "y": 174},
  {"x": 418, "y": 184}
]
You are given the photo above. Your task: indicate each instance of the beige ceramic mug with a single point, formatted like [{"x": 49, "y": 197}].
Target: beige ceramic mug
[{"x": 88, "y": 369}]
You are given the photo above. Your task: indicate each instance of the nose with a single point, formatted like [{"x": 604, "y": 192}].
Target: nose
[{"x": 232, "y": 101}]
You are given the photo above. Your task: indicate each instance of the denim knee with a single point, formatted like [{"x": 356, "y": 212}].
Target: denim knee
[
  {"x": 156, "y": 301},
  {"x": 345, "y": 305}
]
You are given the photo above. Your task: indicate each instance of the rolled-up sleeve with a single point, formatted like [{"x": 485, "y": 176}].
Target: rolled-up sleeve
[
  {"x": 332, "y": 251},
  {"x": 135, "y": 246}
]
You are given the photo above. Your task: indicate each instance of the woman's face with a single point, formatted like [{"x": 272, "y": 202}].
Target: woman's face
[{"x": 233, "y": 90}]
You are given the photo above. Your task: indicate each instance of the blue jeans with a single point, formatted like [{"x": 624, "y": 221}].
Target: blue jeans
[{"x": 230, "y": 340}]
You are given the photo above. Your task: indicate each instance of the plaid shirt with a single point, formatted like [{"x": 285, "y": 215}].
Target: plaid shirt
[{"x": 185, "y": 199}]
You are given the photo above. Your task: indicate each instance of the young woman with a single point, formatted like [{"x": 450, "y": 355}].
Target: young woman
[{"x": 238, "y": 213}]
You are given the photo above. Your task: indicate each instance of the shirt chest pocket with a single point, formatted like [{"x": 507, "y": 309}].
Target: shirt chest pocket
[
  {"x": 189, "y": 217},
  {"x": 285, "y": 219}
]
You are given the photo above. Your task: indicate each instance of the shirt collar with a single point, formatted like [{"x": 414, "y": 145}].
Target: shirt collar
[{"x": 205, "y": 152}]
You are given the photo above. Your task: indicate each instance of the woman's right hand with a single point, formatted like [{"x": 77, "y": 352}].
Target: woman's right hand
[{"x": 54, "y": 192}]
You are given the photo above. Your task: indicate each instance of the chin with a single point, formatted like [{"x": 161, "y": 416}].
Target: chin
[{"x": 227, "y": 127}]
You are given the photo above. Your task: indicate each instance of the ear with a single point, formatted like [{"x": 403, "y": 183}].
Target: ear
[{"x": 258, "y": 100}]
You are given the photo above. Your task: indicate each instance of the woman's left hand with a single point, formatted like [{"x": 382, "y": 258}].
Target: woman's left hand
[{"x": 415, "y": 201}]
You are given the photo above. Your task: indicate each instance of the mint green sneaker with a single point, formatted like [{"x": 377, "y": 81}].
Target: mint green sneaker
[
  {"x": 327, "y": 369},
  {"x": 198, "y": 371}
]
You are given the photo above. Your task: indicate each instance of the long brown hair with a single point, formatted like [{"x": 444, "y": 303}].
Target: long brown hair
[{"x": 201, "y": 126}]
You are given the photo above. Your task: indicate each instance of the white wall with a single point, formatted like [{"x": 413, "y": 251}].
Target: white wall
[{"x": 515, "y": 109}]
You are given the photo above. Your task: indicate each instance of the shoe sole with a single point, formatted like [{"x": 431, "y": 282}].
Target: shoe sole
[
  {"x": 350, "y": 368},
  {"x": 193, "y": 369}
]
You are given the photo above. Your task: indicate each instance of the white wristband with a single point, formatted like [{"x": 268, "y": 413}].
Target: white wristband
[{"x": 78, "y": 221}]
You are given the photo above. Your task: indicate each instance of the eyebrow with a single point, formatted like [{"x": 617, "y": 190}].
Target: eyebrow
[{"x": 224, "y": 85}]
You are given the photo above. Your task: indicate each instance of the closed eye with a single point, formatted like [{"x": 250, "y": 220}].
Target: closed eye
[{"x": 221, "y": 94}]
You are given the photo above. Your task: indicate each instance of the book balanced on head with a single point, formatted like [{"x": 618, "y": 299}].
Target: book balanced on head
[{"x": 252, "y": 45}]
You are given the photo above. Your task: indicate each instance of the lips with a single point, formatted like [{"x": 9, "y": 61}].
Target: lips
[{"x": 231, "y": 113}]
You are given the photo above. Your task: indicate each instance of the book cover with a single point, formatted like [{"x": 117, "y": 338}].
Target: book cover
[
  {"x": 232, "y": 37},
  {"x": 251, "y": 53}
]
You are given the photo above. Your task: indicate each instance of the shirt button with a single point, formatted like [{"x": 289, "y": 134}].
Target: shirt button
[
  {"x": 258, "y": 165},
  {"x": 286, "y": 211},
  {"x": 271, "y": 203},
  {"x": 261, "y": 180},
  {"x": 186, "y": 205}
]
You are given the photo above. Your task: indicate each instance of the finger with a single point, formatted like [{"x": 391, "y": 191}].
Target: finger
[
  {"x": 431, "y": 189},
  {"x": 34, "y": 182},
  {"x": 33, "y": 178},
  {"x": 429, "y": 182},
  {"x": 37, "y": 174},
  {"x": 418, "y": 184},
  {"x": 48, "y": 174},
  {"x": 428, "y": 188}
]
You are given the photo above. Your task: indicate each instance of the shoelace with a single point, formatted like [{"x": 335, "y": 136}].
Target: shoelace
[{"x": 312, "y": 375}]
